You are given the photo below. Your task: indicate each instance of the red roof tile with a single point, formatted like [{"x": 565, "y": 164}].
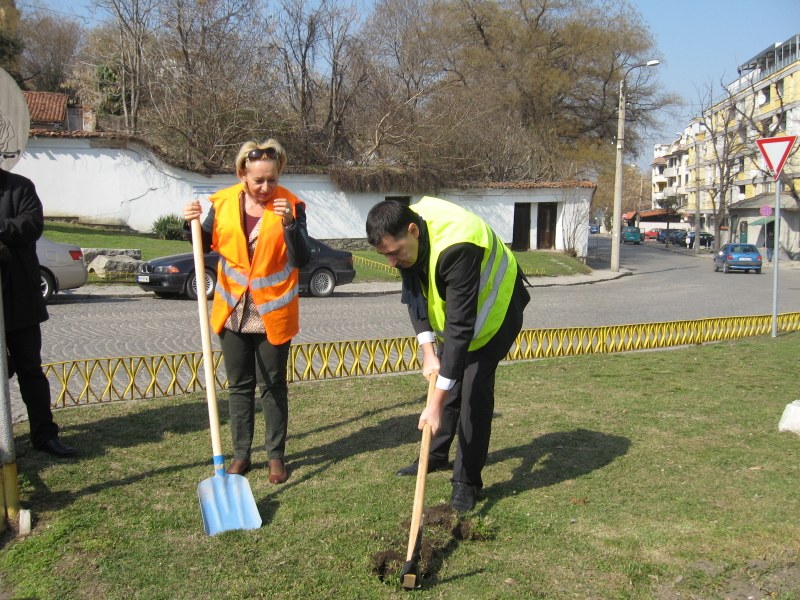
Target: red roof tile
[{"x": 47, "y": 107}]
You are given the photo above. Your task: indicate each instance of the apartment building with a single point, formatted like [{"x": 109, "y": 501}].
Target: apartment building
[{"x": 714, "y": 170}]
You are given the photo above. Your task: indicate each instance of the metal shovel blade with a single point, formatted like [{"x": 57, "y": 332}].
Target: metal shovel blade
[{"x": 227, "y": 503}]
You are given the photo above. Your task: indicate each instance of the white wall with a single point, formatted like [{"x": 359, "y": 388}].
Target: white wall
[{"x": 100, "y": 180}]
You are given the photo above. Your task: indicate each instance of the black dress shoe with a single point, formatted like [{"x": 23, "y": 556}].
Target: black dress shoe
[
  {"x": 57, "y": 448},
  {"x": 463, "y": 498},
  {"x": 434, "y": 464}
]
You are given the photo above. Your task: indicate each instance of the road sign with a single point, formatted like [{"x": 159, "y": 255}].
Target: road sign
[
  {"x": 776, "y": 151},
  {"x": 765, "y": 211}
]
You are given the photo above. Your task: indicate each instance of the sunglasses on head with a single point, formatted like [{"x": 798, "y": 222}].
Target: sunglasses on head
[{"x": 260, "y": 153}]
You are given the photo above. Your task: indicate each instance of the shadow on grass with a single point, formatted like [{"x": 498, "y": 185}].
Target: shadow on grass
[
  {"x": 546, "y": 461},
  {"x": 553, "y": 458}
]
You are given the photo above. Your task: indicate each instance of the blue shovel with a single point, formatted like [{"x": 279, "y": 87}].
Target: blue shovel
[{"x": 226, "y": 501}]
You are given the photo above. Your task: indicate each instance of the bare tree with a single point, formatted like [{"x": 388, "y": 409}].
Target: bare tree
[
  {"x": 50, "y": 48},
  {"x": 209, "y": 86},
  {"x": 134, "y": 24}
]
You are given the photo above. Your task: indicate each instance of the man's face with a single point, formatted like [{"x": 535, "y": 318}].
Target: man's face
[{"x": 401, "y": 252}]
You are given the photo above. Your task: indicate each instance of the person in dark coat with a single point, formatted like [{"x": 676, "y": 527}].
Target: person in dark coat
[{"x": 21, "y": 224}]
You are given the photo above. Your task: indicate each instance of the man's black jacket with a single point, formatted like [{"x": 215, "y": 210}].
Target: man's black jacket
[{"x": 21, "y": 224}]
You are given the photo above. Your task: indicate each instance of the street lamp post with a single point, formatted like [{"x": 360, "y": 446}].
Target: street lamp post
[
  {"x": 617, "y": 217},
  {"x": 696, "y": 196}
]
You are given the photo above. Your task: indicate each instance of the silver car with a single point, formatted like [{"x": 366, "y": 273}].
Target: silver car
[{"x": 60, "y": 267}]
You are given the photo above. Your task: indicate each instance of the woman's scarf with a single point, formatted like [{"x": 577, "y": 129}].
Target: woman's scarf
[{"x": 412, "y": 277}]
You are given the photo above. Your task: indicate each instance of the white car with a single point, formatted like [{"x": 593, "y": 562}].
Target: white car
[{"x": 60, "y": 267}]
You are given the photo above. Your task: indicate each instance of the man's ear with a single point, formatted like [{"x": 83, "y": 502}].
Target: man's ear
[{"x": 413, "y": 230}]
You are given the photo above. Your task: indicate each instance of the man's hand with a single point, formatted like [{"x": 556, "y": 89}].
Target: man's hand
[{"x": 432, "y": 414}]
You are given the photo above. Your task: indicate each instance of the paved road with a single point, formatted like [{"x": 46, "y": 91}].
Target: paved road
[{"x": 661, "y": 285}]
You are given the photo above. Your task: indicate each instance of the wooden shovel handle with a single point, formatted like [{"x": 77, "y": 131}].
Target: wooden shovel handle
[
  {"x": 422, "y": 471},
  {"x": 205, "y": 335}
]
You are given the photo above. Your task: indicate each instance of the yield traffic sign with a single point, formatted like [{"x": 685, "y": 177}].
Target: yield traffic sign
[{"x": 776, "y": 150}]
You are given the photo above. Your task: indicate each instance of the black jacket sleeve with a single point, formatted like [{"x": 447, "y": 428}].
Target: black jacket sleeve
[{"x": 296, "y": 238}]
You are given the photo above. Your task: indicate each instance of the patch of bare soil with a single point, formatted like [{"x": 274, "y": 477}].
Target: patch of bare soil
[
  {"x": 442, "y": 531},
  {"x": 757, "y": 579}
]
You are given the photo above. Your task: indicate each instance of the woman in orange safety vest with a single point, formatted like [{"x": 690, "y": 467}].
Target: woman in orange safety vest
[{"x": 259, "y": 230}]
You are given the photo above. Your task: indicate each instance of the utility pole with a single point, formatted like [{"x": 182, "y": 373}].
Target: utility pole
[{"x": 616, "y": 224}]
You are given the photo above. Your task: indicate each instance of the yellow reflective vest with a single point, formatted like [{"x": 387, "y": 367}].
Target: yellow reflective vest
[
  {"x": 273, "y": 283},
  {"x": 449, "y": 224}
]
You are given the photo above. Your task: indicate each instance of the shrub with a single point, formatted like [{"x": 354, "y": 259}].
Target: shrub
[{"x": 169, "y": 227}]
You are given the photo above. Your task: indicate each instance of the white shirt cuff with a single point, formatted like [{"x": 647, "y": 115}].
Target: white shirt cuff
[
  {"x": 443, "y": 383},
  {"x": 426, "y": 337}
]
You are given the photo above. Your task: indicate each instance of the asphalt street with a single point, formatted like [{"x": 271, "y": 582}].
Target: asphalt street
[{"x": 655, "y": 284}]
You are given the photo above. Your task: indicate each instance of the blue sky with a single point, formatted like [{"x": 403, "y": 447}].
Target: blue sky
[
  {"x": 699, "y": 42},
  {"x": 702, "y": 42}
]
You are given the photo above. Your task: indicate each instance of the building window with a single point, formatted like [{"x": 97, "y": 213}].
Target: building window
[
  {"x": 763, "y": 96},
  {"x": 779, "y": 88},
  {"x": 782, "y": 121}
]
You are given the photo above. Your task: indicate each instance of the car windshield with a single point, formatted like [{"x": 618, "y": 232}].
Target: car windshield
[{"x": 743, "y": 248}]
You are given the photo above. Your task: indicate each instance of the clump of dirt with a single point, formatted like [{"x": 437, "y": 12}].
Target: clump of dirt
[
  {"x": 442, "y": 530},
  {"x": 387, "y": 564}
]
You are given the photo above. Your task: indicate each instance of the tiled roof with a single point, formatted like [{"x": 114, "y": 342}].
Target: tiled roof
[
  {"x": 531, "y": 185},
  {"x": 47, "y": 107},
  {"x": 659, "y": 160}
]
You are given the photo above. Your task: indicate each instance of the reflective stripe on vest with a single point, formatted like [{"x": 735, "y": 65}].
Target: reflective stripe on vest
[{"x": 483, "y": 313}]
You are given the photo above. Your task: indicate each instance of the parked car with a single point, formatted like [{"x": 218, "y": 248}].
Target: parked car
[
  {"x": 675, "y": 235},
  {"x": 631, "y": 234},
  {"x": 706, "y": 239},
  {"x": 60, "y": 267},
  {"x": 662, "y": 235},
  {"x": 678, "y": 237},
  {"x": 738, "y": 257},
  {"x": 594, "y": 228},
  {"x": 173, "y": 276},
  {"x": 652, "y": 234}
]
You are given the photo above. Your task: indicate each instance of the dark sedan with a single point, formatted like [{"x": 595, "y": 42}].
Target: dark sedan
[{"x": 172, "y": 276}]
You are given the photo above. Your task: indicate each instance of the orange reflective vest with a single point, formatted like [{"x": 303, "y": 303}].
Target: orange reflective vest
[{"x": 273, "y": 283}]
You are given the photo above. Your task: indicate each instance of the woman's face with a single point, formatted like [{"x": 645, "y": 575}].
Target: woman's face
[{"x": 260, "y": 179}]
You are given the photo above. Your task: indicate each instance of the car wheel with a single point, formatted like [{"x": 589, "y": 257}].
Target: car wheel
[
  {"x": 725, "y": 268},
  {"x": 48, "y": 285},
  {"x": 757, "y": 271},
  {"x": 322, "y": 283},
  {"x": 716, "y": 267},
  {"x": 191, "y": 285}
]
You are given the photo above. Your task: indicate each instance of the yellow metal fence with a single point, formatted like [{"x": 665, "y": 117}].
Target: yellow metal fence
[{"x": 101, "y": 380}]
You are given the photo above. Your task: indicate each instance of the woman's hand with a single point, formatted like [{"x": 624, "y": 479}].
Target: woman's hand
[
  {"x": 283, "y": 209},
  {"x": 192, "y": 210}
]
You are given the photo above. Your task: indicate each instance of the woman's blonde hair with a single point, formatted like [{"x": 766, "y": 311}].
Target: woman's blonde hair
[{"x": 242, "y": 159}]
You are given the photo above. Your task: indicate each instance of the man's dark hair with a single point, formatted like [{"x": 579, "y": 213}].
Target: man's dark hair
[{"x": 391, "y": 218}]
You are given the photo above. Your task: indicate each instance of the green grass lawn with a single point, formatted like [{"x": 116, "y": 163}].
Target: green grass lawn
[{"x": 642, "y": 475}]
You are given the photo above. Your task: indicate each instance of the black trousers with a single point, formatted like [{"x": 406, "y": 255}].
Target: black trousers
[
  {"x": 469, "y": 407},
  {"x": 25, "y": 353},
  {"x": 250, "y": 359}
]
